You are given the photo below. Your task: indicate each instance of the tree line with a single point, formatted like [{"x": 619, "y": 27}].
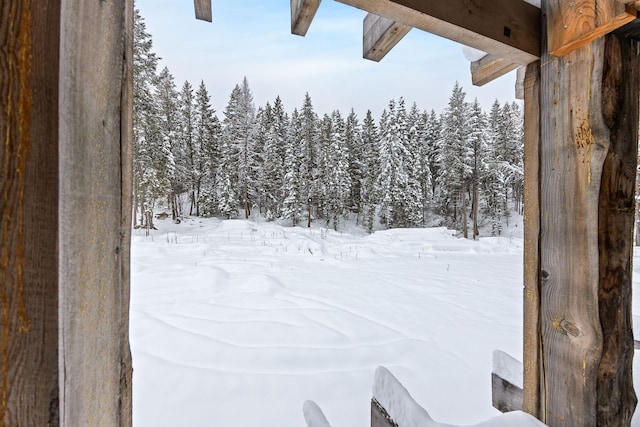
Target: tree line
[{"x": 411, "y": 168}]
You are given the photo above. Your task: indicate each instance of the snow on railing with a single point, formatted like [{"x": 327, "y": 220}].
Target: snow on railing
[{"x": 313, "y": 415}]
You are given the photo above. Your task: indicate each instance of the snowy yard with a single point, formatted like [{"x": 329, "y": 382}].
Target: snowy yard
[{"x": 237, "y": 324}]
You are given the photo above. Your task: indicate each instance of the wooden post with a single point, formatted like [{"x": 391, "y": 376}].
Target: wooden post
[
  {"x": 65, "y": 202},
  {"x": 578, "y": 343}
]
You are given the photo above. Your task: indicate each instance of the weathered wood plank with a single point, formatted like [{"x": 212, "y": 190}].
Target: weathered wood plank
[
  {"x": 505, "y": 28},
  {"x": 573, "y": 148},
  {"x": 621, "y": 87},
  {"x": 91, "y": 242},
  {"x": 505, "y": 396},
  {"x": 203, "y": 10},
  {"x": 489, "y": 68},
  {"x": 520, "y": 75},
  {"x": 573, "y": 24},
  {"x": 126, "y": 150},
  {"x": 29, "y": 46},
  {"x": 532, "y": 333},
  {"x": 302, "y": 14},
  {"x": 586, "y": 340},
  {"x": 379, "y": 416},
  {"x": 380, "y": 35}
]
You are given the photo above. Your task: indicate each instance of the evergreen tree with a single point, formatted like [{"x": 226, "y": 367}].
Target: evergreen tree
[
  {"x": 454, "y": 158},
  {"x": 292, "y": 165},
  {"x": 370, "y": 171},
  {"x": 207, "y": 140},
  {"x": 169, "y": 128},
  {"x": 477, "y": 160},
  {"x": 309, "y": 172},
  {"x": 190, "y": 149},
  {"x": 146, "y": 125},
  {"x": 353, "y": 145},
  {"x": 336, "y": 179}
]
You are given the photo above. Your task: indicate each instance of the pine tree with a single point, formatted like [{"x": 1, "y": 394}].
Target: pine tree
[
  {"x": 309, "y": 172},
  {"x": 336, "y": 179},
  {"x": 169, "y": 128},
  {"x": 353, "y": 145},
  {"x": 239, "y": 128},
  {"x": 146, "y": 125},
  {"x": 207, "y": 140},
  {"x": 477, "y": 160},
  {"x": 370, "y": 171},
  {"x": 190, "y": 149},
  {"x": 453, "y": 158},
  {"x": 292, "y": 166},
  {"x": 392, "y": 184}
]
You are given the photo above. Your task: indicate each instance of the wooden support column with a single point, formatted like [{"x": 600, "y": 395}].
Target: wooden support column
[
  {"x": 531, "y": 338},
  {"x": 64, "y": 232},
  {"x": 95, "y": 368},
  {"x": 29, "y": 46},
  {"x": 578, "y": 343}
]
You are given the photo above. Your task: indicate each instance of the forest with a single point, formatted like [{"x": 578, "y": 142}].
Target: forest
[{"x": 461, "y": 168}]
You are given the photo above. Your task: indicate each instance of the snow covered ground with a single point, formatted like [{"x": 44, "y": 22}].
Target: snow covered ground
[{"x": 237, "y": 323}]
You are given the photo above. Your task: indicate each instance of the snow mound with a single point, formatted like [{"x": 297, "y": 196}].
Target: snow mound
[
  {"x": 389, "y": 393},
  {"x": 313, "y": 415}
]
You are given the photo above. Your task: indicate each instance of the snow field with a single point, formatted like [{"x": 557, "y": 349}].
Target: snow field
[{"x": 237, "y": 324}]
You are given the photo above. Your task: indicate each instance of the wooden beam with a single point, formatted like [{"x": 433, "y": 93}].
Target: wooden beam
[
  {"x": 520, "y": 76},
  {"x": 29, "y": 75},
  {"x": 380, "y": 35},
  {"x": 302, "y": 13},
  {"x": 505, "y": 28},
  {"x": 489, "y": 68},
  {"x": 203, "y": 10},
  {"x": 576, "y": 23},
  {"x": 532, "y": 335}
]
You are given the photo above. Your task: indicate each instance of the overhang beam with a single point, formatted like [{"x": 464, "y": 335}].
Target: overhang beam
[
  {"x": 380, "y": 35},
  {"x": 302, "y": 13},
  {"x": 505, "y": 28},
  {"x": 203, "y": 10},
  {"x": 489, "y": 68}
]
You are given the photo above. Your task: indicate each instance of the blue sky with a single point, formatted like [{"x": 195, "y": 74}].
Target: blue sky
[{"x": 252, "y": 38}]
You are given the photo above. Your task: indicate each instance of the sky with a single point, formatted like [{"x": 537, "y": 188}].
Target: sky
[{"x": 252, "y": 38}]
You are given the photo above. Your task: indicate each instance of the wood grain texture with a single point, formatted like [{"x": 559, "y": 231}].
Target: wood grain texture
[
  {"x": 380, "y": 35},
  {"x": 506, "y": 28},
  {"x": 203, "y": 10},
  {"x": 302, "y": 14},
  {"x": 520, "y": 76},
  {"x": 380, "y": 417},
  {"x": 621, "y": 87},
  {"x": 490, "y": 67},
  {"x": 532, "y": 333},
  {"x": 29, "y": 38},
  {"x": 573, "y": 24},
  {"x": 505, "y": 397},
  {"x": 92, "y": 292},
  {"x": 126, "y": 150},
  {"x": 573, "y": 146}
]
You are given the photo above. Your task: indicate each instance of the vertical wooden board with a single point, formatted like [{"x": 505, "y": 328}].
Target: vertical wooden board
[
  {"x": 126, "y": 148},
  {"x": 621, "y": 87},
  {"x": 532, "y": 338},
  {"x": 29, "y": 38},
  {"x": 573, "y": 147},
  {"x": 90, "y": 239}
]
